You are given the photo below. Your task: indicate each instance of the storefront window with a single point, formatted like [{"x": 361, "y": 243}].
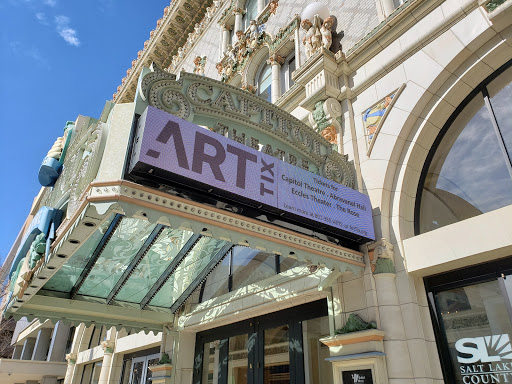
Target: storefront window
[
  {"x": 473, "y": 323},
  {"x": 469, "y": 171},
  {"x": 277, "y": 356},
  {"x": 317, "y": 369}
]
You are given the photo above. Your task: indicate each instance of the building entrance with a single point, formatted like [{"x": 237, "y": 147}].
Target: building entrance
[{"x": 265, "y": 350}]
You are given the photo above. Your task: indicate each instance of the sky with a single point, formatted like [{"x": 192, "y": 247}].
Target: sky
[{"x": 59, "y": 59}]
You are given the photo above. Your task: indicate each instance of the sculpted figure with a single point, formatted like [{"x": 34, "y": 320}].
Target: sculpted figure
[
  {"x": 313, "y": 38},
  {"x": 202, "y": 64},
  {"x": 308, "y": 39},
  {"x": 197, "y": 66},
  {"x": 253, "y": 33},
  {"x": 326, "y": 31}
]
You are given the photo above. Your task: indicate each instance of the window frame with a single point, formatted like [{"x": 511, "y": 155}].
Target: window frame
[
  {"x": 463, "y": 277},
  {"x": 481, "y": 88}
]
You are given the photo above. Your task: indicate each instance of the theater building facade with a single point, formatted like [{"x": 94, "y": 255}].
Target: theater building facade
[{"x": 286, "y": 192}]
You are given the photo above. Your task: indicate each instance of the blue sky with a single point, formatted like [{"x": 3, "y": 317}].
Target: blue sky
[{"x": 60, "y": 58}]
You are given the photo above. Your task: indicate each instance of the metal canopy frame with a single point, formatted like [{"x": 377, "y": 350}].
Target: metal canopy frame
[
  {"x": 135, "y": 261},
  {"x": 169, "y": 270},
  {"x": 201, "y": 276},
  {"x": 96, "y": 254}
]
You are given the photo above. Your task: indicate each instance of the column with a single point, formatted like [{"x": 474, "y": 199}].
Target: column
[
  {"x": 276, "y": 61},
  {"x": 261, "y": 6},
  {"x": 391, "y": 322},
  {"x": 108, "y": 351},
  {"x": 183, "y": 357},
  {"x": 58, "y": 344},
  {"x": 238, "y": 12},
  {"x": 28, "y": 348},
  {"x": 296, "y": 40},
  {"x": 388, "y": 7},
  {"x": 226, "y": 28},
  {"x": 71, "y": 359},
  {"x": 72, "y": 356},
  {"x": 42, "y": 344}
]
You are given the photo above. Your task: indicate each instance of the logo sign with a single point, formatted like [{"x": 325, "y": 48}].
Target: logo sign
[
  {"x": 363, "y": 376},
  {"x": 486, "y": 359},
  {"x": 173, "y": 149}
]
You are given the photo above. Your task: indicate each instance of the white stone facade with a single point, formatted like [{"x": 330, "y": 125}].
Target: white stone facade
[{"x": 429, "y": 55}]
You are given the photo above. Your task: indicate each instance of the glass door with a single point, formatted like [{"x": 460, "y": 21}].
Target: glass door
[
  {"x": 263, "y": 350},
  {"x": 140, "y": 374}
]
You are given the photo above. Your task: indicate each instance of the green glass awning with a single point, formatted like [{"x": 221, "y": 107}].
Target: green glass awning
[
  {"x": 130, "y": 261},
  {"x": 132, "y": 257}
]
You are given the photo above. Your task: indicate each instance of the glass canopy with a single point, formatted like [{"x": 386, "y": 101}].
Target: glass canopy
[{"x": 131, "y": 261}]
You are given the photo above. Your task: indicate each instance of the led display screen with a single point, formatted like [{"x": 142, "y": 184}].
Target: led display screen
[{"x": 166, "y": 146}]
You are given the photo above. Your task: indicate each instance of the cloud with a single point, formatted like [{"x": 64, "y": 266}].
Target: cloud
[
  {"x": 50, "y": 3},
  {"x": 29, "y": 52},
  {"x": 65, "y": 31},
  {"x": 41, "y": 17}
]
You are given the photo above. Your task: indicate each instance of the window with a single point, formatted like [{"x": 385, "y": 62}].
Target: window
[
  {"x": 251, "y": 13},
  {"x": 286, "y": 73},
  {"x": 243, "y": 266},
  {"x": 264, "y": 82},
  {"x": 469, "y": 169},
  {"x": 472, "y": 316}
]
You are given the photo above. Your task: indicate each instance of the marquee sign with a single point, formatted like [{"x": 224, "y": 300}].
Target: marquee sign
[{"x": 176, "y": 150}]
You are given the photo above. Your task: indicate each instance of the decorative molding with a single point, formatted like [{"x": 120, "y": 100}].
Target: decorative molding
[
  {"x": 71, "y": 358},
  {"x": 378, "y": 253},
  {"x": 80, "y": 166},
  {"x": 353, "y": 338},
  {"x": 193, "y": 37},
  {"x": 108, "y": 346},
  {"x": 355, "y": 324},
  {"x": 203, "y": 99},
  {"x": 172, "y": 31}
]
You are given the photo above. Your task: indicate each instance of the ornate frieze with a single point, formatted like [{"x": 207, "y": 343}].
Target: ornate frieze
[
  {"x": 80, "y": 166},
  {"x": 281, "y": 135},
  {"x": 180, "y": 19},
  {"x": 194, "y": 36}
]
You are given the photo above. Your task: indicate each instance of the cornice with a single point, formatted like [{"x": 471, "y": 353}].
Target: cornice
[{"x": 171, "y": 32}]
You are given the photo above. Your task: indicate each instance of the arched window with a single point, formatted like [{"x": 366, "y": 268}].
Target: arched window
[
  {"x": 469, "y": 169},
  {"x": 264, "y": 81}
]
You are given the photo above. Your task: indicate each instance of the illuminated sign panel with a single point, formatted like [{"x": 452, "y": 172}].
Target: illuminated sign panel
[{"x": 166, "y": 146}]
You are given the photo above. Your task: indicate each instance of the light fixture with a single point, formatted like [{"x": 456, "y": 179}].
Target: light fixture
[{"x": 313, "y": 9}]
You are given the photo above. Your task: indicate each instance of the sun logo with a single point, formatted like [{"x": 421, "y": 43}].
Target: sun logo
[{"x": 485, "y": 349}]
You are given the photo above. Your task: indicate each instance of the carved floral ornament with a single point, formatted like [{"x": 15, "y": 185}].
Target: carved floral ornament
[{"x": 247, "y": 119}]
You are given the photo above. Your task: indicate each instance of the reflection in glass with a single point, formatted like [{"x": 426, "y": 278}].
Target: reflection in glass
[
  {"x": 195, "y": 261},
  {"x": 500, "y": 92},
  {"x": 157, "y": 259},
  {"x": 217, "y": 282},
  {"x": 468, "y": 174},
  {"x": 478, "y": 314},
  {"x": 316, "y": 368},
  {"x": 251, "y": 266},
  {"x": 265, "y": 82},
  {"x": 211, "y": 362},
  {"x": 238, "y": 359},
  {"x": 287, "y": 263},
  {"x": 277, "y": 357}
]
